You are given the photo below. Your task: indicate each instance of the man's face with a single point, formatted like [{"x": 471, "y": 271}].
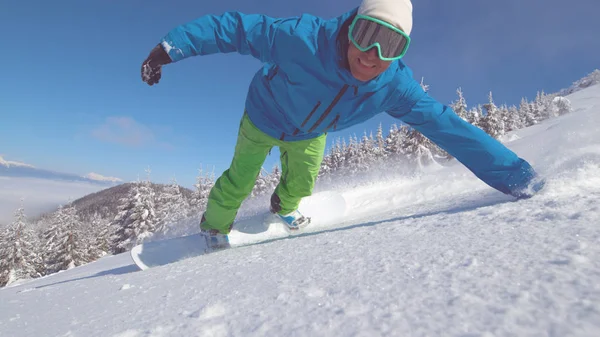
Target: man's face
[{"x": 365, "y": 66}]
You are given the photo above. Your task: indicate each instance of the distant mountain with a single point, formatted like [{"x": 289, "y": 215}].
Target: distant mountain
[
  {"x": 22, "y": 170},
  {"x": 98, "y": 177},
  {"x": 7, "y": 163},
  {"x": 107, "y": 201}
]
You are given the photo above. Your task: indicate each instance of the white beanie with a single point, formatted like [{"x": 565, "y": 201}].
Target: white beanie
[{"x": 395, "y": 12}]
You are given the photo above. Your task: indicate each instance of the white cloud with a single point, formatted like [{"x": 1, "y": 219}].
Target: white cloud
[
  {"x": 7, "y": 163},
  {"x": 125, "y": 131},
  {"x": 99, "y": 177},
  {"x": 40, "y": 195}
]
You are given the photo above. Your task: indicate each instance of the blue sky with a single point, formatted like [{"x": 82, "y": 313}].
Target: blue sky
[{"x": 71, "y": 98}]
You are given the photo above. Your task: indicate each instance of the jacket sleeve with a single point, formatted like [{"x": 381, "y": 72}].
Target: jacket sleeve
[
  {"x": 263, "y": 37},
  {"x": 487, "y": 158}
]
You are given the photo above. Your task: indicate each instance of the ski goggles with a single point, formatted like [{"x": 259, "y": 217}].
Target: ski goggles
[{"x": 367, "y": 32}]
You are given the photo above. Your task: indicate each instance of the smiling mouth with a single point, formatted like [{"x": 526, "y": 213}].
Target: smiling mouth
[{"x": 365, "y": 64}]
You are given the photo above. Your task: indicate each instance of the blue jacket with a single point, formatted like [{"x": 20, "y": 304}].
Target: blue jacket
[{"x": 304, "y": 88}]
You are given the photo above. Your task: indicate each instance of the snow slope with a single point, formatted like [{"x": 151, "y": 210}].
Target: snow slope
[{"x": 437, "y": 255}]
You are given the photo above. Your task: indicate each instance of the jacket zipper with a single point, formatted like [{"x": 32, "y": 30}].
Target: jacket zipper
[
  {"x": 329, "y": 108},
  {"x": 307, "y": 118},
  {"x": 269, "y": 78},
  {"x": 334, "y": 123}
]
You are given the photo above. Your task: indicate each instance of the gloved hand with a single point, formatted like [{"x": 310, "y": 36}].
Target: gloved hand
[
  {"x": 536, "y": 184},
  {"x": 151, "y": 68}
]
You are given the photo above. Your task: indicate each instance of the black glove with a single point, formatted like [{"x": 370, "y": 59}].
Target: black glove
[{"x": 152, "y": 65}]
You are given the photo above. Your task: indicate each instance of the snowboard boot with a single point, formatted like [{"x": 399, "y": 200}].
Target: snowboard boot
[
  {"x": 215, "y": 240},
  {"x": 294, "y": 221}
]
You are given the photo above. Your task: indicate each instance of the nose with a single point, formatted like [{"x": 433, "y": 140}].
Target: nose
[{"x": 372, "y": 53}]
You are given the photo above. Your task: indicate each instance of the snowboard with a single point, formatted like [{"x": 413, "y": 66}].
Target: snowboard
[{"x": 324, "y": 209}]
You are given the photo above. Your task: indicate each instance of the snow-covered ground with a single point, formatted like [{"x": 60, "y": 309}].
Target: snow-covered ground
[{"x": 438, "y": 255}]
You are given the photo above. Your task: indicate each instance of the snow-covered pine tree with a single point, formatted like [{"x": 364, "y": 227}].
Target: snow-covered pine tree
[
  {"x": 543, "y": 104},
  {"x": 352, "y": 156},
  {"x": 326, "y": 165},
  {"x": 274, "y": 178},
  {"x": 492, "y": 122},
  {"x": 262, "y": 184},
  {"x": 503, "y": 115},
  {"x": 513, "y": 119},
  {"x": 336, "y": 158},
  {"x": 3, "y": 260},
  {"x": 136, "y": 220},
  {"x": 589, "y": 80},
  {"x": 460, "y": 106},
  {"x": 345, "y": 151},
  {"x": 561, "y": 106},
  {"x": 19, "y": 258},
  {"x": 475, "y": 115},
  {"x": 527, "y": 113},
  {"x": 101, "y": 241},
  {"x": 366, "y": 153},
  {"x": 171, "y": 207},
  {"x": 535, "y": 111},
  {"x": 418, "y": 149},
  {"x": 204, "y": 183},
  {"x": 392, "y": 145},
  {"x": 380, "y": 151},
  {"x": 70, "y": 248},
  {"x": 51, "y": 240}
]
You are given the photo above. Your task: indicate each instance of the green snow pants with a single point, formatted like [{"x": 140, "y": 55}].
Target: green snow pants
[{"x": 300, "y": 164}]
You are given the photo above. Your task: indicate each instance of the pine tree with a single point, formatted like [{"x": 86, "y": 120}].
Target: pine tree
[
  {"x": 204, "y": 184},
  {"x": 262, "y": 184},
  {"x": 136, "y": 220},
  {"x": 274, "y": 178},
  {"x": 543, "y": 104},
  {"x": 418, "y": 149},
  {"x": 475, "y": 115},
  {"x": 366, "y": 153},
  {"x": 527, "y": 113},
  {"x": 460, "y": 106},
  {"x": 338, "y": 156},
  {"x": 561, "y": 106},
  {"x": 492, "y": 123},
  {"x": 102, "y": 232},
  {"x": 50, "y": 242},
  {"x": 352, "y": 161},
  {"x": 171, "y": 207},
  {"x": 380, "y": 151},
  {"x": 18, "y": 256},
  {"x": 326, "y": 165},
  {"x": 589, "y": 80},
  {"x": 504, "y": 116},
  {"x": 513, "y": 120},
  {"x": 394, "y": 142},
  {"x": 391, "y": 141},
  {"x": 71, "y": 249}
]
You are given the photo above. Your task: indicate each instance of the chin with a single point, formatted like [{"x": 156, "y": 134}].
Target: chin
[{"x": 362, "y": 77}]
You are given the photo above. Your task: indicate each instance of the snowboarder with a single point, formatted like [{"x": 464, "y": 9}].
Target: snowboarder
[{"x": 318, "y": 76}]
